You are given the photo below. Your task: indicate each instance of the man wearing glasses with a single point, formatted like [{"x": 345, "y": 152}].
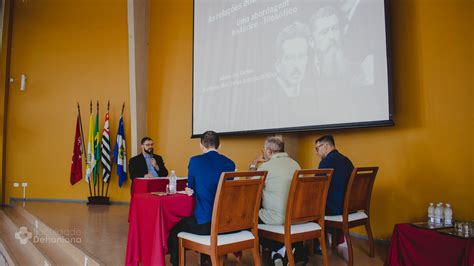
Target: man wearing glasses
[
  {"x": 331, "y": 158},
  {"x": 147, "y": 164}
]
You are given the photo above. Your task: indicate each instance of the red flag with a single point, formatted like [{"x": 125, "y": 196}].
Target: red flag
[{"x": 76, "y": 164}]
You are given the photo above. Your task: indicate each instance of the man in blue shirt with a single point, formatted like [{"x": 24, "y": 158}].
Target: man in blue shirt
[
  {"x": 204, "y": 172},
  {"x": 331, "y": 158}
]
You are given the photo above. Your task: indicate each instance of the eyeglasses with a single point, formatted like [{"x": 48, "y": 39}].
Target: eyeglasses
[{"x": 319, "y": 146}]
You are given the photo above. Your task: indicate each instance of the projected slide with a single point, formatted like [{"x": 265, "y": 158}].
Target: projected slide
[{"x": 263, "y": 65}]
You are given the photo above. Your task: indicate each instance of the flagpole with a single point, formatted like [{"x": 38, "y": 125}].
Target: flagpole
[
  {"x": 91, "y": 176},
  {"x": 98, "y": 162},
  {"x": 83, "y": 142}
]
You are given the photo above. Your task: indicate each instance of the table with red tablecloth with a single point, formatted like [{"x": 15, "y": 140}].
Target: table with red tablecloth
[
  {"x": 151, "y": 219},
  {"x": 145, "y": 185},
  {"x": 412, "y": 245}
]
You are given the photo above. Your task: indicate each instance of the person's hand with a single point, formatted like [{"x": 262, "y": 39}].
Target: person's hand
[
  {"x": 148, "y": 176},
  {"x": 153, "y": 162},
  {"x": 189, "y": 191},
  {"x": 260, "y": 159}
]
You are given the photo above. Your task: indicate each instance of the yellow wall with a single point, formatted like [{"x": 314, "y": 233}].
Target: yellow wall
[
  {"x": 426, "y": 157},
  {"x": 3, "y": 90},
  {"x": 71, "y": 51}
]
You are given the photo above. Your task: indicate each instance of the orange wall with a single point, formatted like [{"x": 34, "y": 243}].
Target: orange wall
[
  {"x": 3, "y": 90},
  {"x": 71, "y": 51},
  {"x": 77, "y": 50},
  {"x": 426, "y": 157}
]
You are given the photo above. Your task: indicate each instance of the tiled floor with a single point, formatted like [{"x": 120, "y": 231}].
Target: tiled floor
[{"x": 102, "y": 231}]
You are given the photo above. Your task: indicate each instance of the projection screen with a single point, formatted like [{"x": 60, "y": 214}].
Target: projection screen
[{"x": 282, "y": 66}]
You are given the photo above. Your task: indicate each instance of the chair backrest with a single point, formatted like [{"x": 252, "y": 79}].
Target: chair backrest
[
  {"x": 359, "y": 189},
  {"x": 237, "y": 202},
  {"x": 307, "y": 196}
]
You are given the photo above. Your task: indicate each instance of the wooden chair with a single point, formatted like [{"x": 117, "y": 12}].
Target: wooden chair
[
  {"x": 356, "y": 210},
  {"x": 234, "y": 219},
  {"x": 305, "y": 207}
]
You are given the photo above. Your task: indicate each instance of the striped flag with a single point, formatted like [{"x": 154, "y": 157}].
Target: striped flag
[
  {"x": 106, "y": 168},
  {"x": 90, "y": 163},
  {"x": 120, "y": 154}
]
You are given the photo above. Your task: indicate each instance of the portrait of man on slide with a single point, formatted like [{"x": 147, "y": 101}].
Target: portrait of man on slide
[
  {"x": 332, "y": 67},
  {"x": 292, "y": 52},
  {"x": 341, "y": 83},
  {"x": 290, "y": 92}
]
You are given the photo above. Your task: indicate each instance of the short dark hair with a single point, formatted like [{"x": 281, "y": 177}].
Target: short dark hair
[
  {"x": 145, "y": 139},
  {"x": 293, "y": 31},
  {"x": 327, "y": 139},
  {"x": 210, "y": 139}
]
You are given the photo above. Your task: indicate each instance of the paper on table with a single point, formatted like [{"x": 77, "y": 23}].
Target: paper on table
[{"x": 159, "y": 193}]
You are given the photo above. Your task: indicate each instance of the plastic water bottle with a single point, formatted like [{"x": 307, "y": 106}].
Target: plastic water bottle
[
  {"x": 448, "y": 215},
  {"x": 172, "y": 184},
  {"x": 431, "y": 210},
  {"x": 441, "y": 209},
  {"x": 439, "y": 213}
]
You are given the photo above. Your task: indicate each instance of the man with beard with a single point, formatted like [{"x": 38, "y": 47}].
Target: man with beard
[
  {"x": 147, "y": 164},
  {"x": 335, "y": 77}
]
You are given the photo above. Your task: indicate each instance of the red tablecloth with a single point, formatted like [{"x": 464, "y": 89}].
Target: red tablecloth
[
  {"x": 152, "y": 218},
  {"x": 147, "y": 185},
  {"x": 411, "y": 245},
  {"x": 142, "y": 185}
]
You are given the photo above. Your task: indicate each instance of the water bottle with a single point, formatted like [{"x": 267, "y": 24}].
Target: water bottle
[
  {"x": 448, "y": 215},
  {"x": 431, "y": 210},
  {"x": 438, "y": 213},
  {"x": 172, "y": 184},
  {"x": 441, "y": 209}
]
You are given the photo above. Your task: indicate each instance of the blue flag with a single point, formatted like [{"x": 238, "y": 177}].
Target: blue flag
[{"x": 120, "y": 154}]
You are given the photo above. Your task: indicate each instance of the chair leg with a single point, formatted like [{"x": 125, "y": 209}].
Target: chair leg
[
  {"x": 266, "y": 256},
  {"x": 256, "y": 255},
  {"x": 334, "y": 239},
  {"x": 324, "y": 249},
  {"x": 214, "y": 260},
  {"x": 289, "y": 253},
  {"x": 370, "y": 238},
  {"x": 182, "y": 253},
  {"x": 349, "y": 246},
  {"x": 310, "y": 247}
]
